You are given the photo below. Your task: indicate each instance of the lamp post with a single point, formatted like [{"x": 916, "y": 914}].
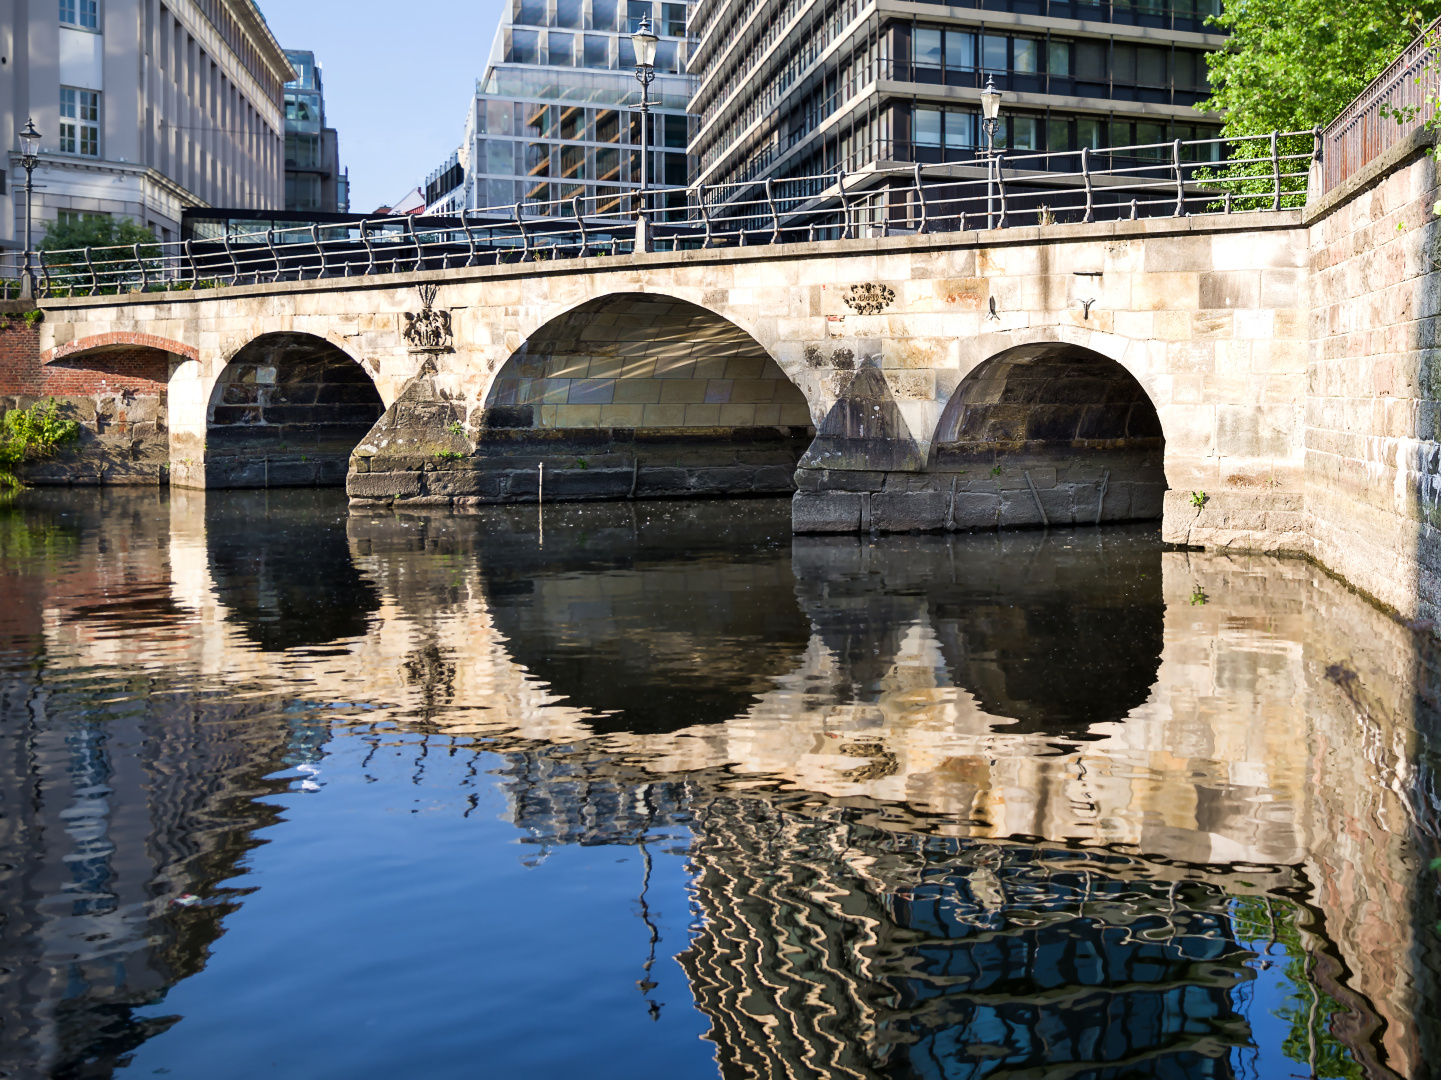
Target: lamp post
[
  {"x": 29, "y": 146},
  {"x": 991, "y": 121},
  {"x": 644, "y": 41}
]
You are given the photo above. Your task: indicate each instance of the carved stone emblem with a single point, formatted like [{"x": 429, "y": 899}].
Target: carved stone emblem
[
  {"x": 869, "y": 299},
  {"x": 428, "y": 332}
]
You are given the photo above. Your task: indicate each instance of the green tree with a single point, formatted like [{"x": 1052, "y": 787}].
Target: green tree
[
  {"x": 1291, "y": 65},
  {"x": 112, "y": 257}
]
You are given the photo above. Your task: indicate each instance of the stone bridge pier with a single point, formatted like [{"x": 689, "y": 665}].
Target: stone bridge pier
[{"x": 1070, "y": 374}]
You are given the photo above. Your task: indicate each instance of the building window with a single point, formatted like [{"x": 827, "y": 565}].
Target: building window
[
  {"x": 673, "y": 20},
  {"x": 635, "y": 11},
  {"x": 84, "y": 13},
  {"x": 79, "y": 122}
]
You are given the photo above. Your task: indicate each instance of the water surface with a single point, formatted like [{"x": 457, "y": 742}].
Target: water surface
[{"x": 658, "y": 789}]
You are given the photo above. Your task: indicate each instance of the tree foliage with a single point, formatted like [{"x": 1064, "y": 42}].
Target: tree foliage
[
  {"x": 1291, "y": 65},
  {"x": 95, "y": 232},
  {"x": 106, "y": 270}
]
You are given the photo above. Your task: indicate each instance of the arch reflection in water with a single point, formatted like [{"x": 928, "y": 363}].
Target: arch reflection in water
[{"x": 900, "y": 866}]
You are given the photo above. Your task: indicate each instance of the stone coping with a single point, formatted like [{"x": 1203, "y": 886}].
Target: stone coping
[
  {"x": 1196, "y": 224},
  {"x": 1382, "y": 166}
]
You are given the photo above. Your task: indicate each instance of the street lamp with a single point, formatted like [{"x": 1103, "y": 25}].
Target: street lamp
[
  {"x": 991, "y": 121},
  {"x": 29, "y": 147},
  {"x": 644, "y": 41}
]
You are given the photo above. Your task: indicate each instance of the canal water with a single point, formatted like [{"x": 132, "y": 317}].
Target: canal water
[{"x": 656, "y": 789}]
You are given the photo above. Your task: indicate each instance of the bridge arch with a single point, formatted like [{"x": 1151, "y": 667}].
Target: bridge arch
[
  {"x": 656, "y": 394},
  {"x": 1053, "y": 432},
  {"x": 286, "y": 410}
]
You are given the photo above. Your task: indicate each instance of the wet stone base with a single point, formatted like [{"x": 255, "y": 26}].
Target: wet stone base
[
  {"x": 963, "y": 492},
  {"x": 585, "y": 464},
  {"x": 317, "y": 466}
]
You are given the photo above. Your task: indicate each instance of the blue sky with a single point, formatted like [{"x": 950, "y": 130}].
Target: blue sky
[{"x": 397, "y": 80}]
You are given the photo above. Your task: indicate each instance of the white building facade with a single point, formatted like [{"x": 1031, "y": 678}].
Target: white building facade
[
  {"x": 144, "y": 108},
  {"x": 553, "y": 118}
]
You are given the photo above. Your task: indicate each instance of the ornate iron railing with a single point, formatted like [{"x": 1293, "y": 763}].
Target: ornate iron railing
[
  {"x": 1175, "y": 179},
  {"x": 1397, "y": 102}
]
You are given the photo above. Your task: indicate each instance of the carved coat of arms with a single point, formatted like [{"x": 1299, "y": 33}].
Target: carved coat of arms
[
  {"x": 428, "y": 331},
  {"x": 869, "y": 299}
]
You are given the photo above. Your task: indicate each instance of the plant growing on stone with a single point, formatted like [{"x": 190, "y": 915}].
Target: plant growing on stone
[
  {"x": 1199, "y": 499},
  {"x": 32, "y": 432},
  {"x": 456, "y": 428},
  {"x": 450, "y": 455}
]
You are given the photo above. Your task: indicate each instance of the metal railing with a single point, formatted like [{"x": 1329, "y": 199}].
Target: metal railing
[
  {"x": 1175, "y": 179},
  {"x": 1397, "y": 102}
]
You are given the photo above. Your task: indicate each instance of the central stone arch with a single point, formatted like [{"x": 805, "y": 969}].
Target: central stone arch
[{"x": 626, "y": 395}]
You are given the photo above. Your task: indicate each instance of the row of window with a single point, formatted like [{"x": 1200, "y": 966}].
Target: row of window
[
  {"x": 557, "y": 48},
  {"x": 1186, "y": 15},
  {"x": 1089, "y": 60},
  {"x": 623, "y": 15},
  {"x": 960, "y": 129},
  {"x": 550, "y": 197},
  {"x": 574, "y": 161},
  {"x": 573, "y": 123}
]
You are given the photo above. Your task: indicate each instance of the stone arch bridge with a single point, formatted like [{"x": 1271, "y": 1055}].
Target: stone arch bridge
[{"x": 1064, "y": 374}]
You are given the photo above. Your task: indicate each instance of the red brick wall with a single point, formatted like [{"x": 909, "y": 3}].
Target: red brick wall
[{"x": 141, "y": 371}]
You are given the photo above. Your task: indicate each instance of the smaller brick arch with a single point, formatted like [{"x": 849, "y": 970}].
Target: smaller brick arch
[{"x": 119, "y": 339}]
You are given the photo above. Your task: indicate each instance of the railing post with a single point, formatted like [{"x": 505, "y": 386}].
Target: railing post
[
  {"x": 580, "y": 223},
  {"x": 524, "y": 236},
  {"x": 469, "y": 235},
  {"x": 845, "y": 205},
  {"x": 775, "y": 214},
  {"x": 144, "y": 277},
  {"x": 94, "y": 278},
  {"x": 1180, "y": 180},
  {"x": 369, "y": 248},
  {"x": 274, "y": 255},
  {"x": 1001, "y": 188},
  {"x": 1086, "y": 179},
  {"x": 1276, "y": 170},
  {"x": 414, "y": 242},
  {"x": 319, "y": 250},
  {"x": 704, "y": 214},
  {"x": 234, "y": 262},
  {"x": 190, "y": 258},
  {"x": 1313, "y": 171},
  {"x": 921, "y": 198}
]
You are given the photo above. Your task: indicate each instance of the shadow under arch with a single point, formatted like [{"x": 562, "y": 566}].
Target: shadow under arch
[
  {"x": 1051, "y": 433},
  {"x": 286, "y": 411},
  {"x": 657, "y": 396}
]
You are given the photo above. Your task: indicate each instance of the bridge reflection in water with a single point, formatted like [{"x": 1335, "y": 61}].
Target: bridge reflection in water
[{"x": 995, "y": 805}]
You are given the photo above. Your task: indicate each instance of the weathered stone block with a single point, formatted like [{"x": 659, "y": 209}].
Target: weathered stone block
[
  {"x": 975, "y": 510},
  {"x": 895, "y": 511},
  {"x": 830, "y": 512},
  {"x": 386, "y": 485}
]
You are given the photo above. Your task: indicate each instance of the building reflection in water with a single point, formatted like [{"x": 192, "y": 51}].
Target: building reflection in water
[{"x": 1055, "y": 804}]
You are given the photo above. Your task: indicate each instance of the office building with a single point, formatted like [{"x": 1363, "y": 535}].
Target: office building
[
  {"x": 787, "y": 89},
  {"x": 314, "y": 180},
  {"x": 144, "y": 108},
  {"x": 552, "y": 118}
]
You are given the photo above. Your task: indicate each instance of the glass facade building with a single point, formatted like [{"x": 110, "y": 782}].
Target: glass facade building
[
  {"x": 314, "y": 180},
  {"x": 553, "y": 118},
  {"x": 790, "y": 89}
]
